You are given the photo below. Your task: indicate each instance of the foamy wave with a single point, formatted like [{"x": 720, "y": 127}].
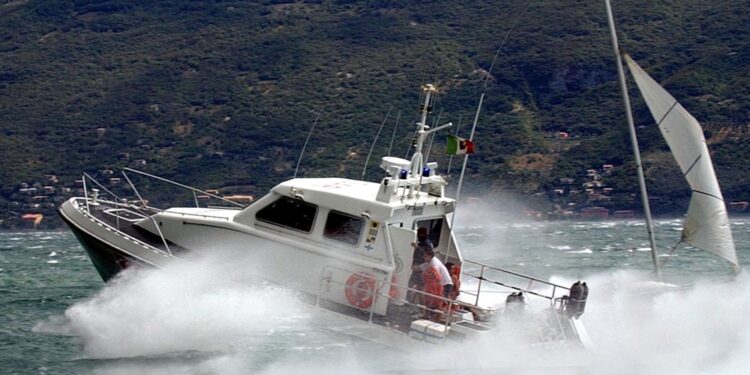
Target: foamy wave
[
  {"x": 651, "y": 328},
  {"x": 188, "y": 307},
  {"x": 559, "y": 247},
  {"x": 582, "y": 251}
]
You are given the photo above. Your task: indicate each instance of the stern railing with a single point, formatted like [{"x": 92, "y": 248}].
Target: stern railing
[
  {"x": 555, "y": 290},
  {"x": 445, "y": 313}
]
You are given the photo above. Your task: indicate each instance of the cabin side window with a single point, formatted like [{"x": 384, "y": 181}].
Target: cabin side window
[
  {"x": 289, "y": 213},
  {"x": 343, "y": 227},
  {"x": 434, "y": 227}
]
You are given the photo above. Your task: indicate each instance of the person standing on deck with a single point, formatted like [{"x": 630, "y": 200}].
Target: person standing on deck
[
  {"x": 432, "y": 285},
  {"x": 446, "y": 283},
  {"x": 416, "y": 280},
  {"x": 430, "y": 260}
]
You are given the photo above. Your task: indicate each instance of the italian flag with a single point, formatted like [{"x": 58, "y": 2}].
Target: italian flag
[{"x": 459, "y": 146}]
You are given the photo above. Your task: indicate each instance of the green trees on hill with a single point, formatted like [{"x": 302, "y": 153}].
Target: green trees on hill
[{"x": 221, "y": 93}]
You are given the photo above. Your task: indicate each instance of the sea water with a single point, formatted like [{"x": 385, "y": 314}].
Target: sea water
[{"x": 57, "y": 316}]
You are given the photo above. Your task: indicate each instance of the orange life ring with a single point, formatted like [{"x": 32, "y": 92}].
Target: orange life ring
[{"x": 360, "y": 290}]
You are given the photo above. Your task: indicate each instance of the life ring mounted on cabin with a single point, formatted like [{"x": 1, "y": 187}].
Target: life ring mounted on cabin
[{"x": 360, "y": 290}]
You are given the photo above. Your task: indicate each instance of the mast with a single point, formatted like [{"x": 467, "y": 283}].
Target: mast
[
  {"x": 416, "y": 159},
  {"x": 633, "y": 139}
]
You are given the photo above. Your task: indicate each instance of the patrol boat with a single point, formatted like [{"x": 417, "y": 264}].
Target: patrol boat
[{"x": 344, "y": 243}]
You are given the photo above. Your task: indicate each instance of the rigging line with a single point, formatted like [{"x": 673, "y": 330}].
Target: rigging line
[
  {"x": 669, "y": 254},
  {"x": 309, "y": 134},
  {"x": 502, "y": 43},
  {"x": 374, "y": 141},
  {"x": 707, "y": 194},
  {"x": 692, "y": 165},
  {"x": 664, "y": 117}
]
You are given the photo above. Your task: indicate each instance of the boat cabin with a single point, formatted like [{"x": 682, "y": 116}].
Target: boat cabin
[{"x": 354, "y": 231}]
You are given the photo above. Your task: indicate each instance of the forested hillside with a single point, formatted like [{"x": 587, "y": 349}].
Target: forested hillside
[{"x": 223, "y": 93}]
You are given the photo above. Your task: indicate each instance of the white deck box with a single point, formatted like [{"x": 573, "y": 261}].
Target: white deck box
[{"x": 427, "y": 330}]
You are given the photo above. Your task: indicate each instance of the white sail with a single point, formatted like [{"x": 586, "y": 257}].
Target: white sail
[{"x": 707, "y": 223}]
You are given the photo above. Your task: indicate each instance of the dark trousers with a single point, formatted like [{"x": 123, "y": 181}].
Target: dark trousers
[{"x": 447, "y": 289}]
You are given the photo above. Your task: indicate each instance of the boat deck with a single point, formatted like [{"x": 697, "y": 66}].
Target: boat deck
[{"x": 124, "y": 218}]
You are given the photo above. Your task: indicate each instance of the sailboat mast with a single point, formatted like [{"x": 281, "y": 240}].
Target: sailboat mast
[{"x": 633, "y": 139}]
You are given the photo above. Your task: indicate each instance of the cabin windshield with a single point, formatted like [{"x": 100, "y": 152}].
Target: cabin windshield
[
  {"x": 289, "y": 213},
  {"x": 343, "y": 227}
]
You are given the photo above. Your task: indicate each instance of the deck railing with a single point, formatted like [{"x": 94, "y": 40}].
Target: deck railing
[
  {"x": 486, "y": 273},
  {"x": 482, "y": 314},
  {"x": 116, "y": 199},
  {"x": 192, "y": 189}
]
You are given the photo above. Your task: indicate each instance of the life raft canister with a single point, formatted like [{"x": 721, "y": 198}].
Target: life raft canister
[{"x": 360, "y": 290}]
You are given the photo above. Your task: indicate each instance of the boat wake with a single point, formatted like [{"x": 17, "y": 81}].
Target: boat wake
[
  {"x": 206, "y": 306},
  {"x": 654, "y": 328},
  {"x": 239, "y": 324}
]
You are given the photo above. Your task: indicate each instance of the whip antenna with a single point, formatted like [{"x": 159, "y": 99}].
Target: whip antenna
[
  {"x": 479, "y": 109},
  {"x": 305, "y": 145},
  {"x": 374, "y": 141}
]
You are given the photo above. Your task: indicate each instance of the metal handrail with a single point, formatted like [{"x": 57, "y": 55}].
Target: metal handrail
[
  {"x": 114, "y": 196},
  {"x": 120, "y": 233},
  {"x": 531, "y": 280},
  {"x": 184, "y": 186},
  {"x": 200, "y": 215},
  {"x": 515, "y": 274},
  {"x": 86, "y": 193},
  {"x": 100, "y": 186},
  {"x": 446, "y": 311},
  {"x": 156, "y": 225},
  {"x": 143, "y": 202}
]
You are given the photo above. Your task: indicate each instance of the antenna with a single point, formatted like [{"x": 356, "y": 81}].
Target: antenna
[
  {"x": 296, "y": 169},
  {"x": 481, "y": 99},
  {"x": 479, "y": 109},
  {"x": 393, "y": 135},
  {"x": 374, "y": 141}
]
